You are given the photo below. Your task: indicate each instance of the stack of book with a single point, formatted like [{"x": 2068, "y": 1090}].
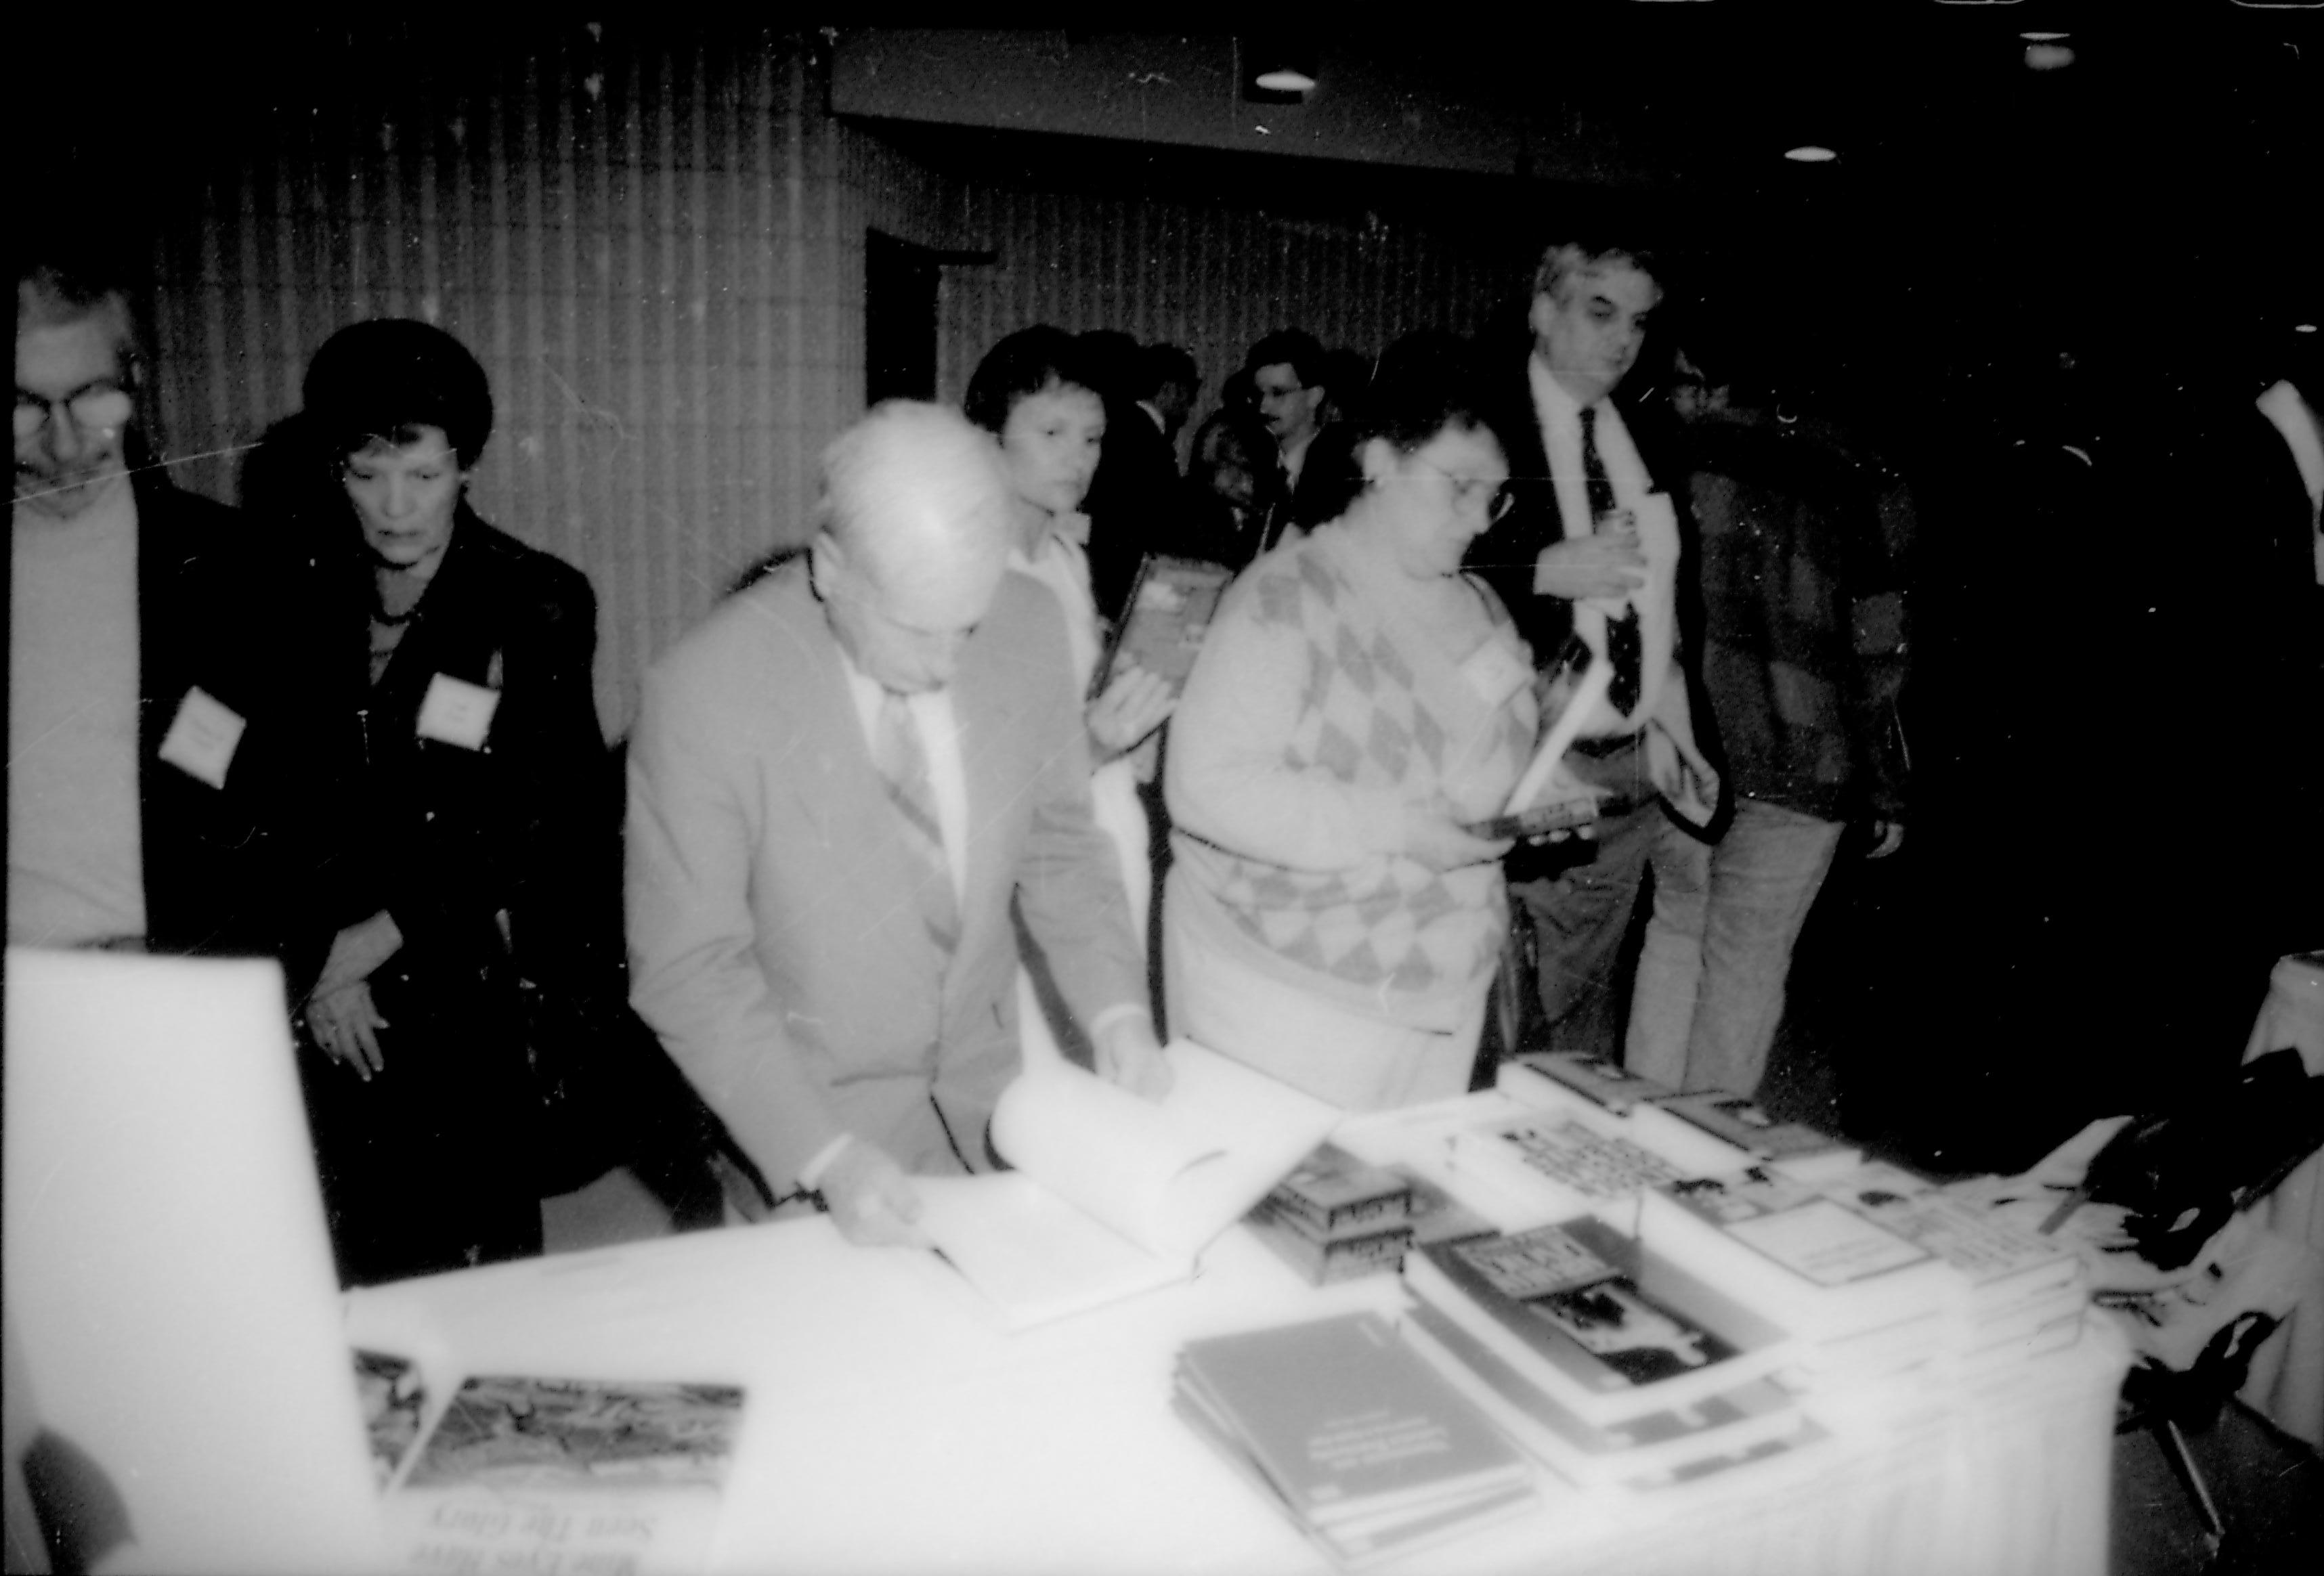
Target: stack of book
[
  {"x": 1609, "y": 1362},
  {"x": 1865, "y": 1300},
  {"x": 1672, "y": 1124},
  {"x": 1549, "y": 1165},
  {"x": 1877, "y": 1268},
  {"x": 2014, "y": 1292},
  {"x": 1347, "y": 1431},
  {"x": 1335, "y": 1217}
]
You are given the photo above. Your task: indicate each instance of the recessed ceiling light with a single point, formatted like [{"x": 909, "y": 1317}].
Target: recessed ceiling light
[
  {"x": 2048, "y": 57},
  {"x": 1809, "y": 153},
  {"x": 2044, "y": 38},
  {"x": 2303, "y": 327},
  {"x": 1286, "y": 81}
]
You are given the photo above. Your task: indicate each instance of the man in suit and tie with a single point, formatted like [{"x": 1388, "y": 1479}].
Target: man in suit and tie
[
  {"x": 1290, "y": 374},
  {"x": 838, "y": 784},
  {"x": 1588, "y": 563}
]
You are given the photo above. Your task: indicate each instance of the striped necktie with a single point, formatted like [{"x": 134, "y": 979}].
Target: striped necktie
[
  {"x": 1624, "y": 646},
  {"x": 903, "y": 765}
]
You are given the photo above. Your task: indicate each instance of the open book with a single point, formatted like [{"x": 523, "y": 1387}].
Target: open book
[{"x": 1113, "y": 1195}]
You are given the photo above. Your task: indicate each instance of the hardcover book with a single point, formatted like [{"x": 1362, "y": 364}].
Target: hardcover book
[
  {"x": 1350, "y": 1431},
  {"x": 1610, "y": 1330},
  {"x": 522, "y": 1472},
  {"x": 1594, "y": 1078},
  {"x": 1568, "y": 1165},
  {"x": 1828, "y": 1270},
  {"x": 1324, "y": 1261},
  {"x": 1331, "y": 1193},
  {"x": 1643, "y": 1451},
  {"x": 1742, "y": 1123},
  {"x": 1169, "y": 609}
]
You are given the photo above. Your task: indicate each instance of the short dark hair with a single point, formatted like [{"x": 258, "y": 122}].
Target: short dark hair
[
  {"x": 382, "y": 380},
  {"x": 1160, "y": 365},
  {"x": 1301, "y": 351},
  {"x": 1021, "y": 366},
  {"x": 1424, "y": 383}
]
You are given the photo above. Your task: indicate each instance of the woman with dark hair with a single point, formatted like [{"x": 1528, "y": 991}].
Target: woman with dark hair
[
  {"x": 476, "y": 854},
  {"x": 1229, "y": 488},
  {"x": 1359, "y": 702}
]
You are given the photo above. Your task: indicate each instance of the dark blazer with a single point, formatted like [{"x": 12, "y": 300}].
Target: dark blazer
[
  {"x": 217, "y": 611},
  {"x": 1133, "y": 502},
  {"x": 448, "y": 838}
]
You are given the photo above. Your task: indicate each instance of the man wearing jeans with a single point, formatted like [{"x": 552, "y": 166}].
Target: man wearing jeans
[{"x": 1804, "y": 654}]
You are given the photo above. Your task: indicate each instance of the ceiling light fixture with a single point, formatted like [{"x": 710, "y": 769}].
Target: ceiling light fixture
[
  {"x": 1287, "y": 79},
  {"x": 1809, "y": 153},
  {"x": 1276, "y": 68}
]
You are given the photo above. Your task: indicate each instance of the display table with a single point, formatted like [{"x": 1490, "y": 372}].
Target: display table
[{"x": 892, "y": 1425}]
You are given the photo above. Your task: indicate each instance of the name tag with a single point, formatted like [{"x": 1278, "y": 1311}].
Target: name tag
[
  {"x": 202, "y": 739},
  {"x": 457, "y": 712},
  {"x": 1494, "y": 672}
]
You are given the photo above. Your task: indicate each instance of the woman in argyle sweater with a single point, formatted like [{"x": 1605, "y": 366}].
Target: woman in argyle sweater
[{"x": 1327, "y": 918}]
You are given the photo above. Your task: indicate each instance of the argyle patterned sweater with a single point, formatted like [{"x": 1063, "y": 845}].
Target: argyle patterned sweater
[{"x": 1317, "y": 714}]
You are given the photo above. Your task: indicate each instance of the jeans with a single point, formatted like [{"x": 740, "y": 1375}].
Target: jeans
[
  {"x": 1718, "y": 946},
  {"x": 1581, "y": 917}
]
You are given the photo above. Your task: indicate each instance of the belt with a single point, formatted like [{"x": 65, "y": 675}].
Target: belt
[{"x": 1600, "y": 749}]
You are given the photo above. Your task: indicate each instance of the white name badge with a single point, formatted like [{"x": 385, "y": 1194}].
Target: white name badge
[
  {"x": 457, "y": 712},
  {"x": 1494, "y": 672},
  {"x": 202, "y": 739}
]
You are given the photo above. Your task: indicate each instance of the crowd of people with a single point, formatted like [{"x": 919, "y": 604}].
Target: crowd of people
[{"x": 883, "y": 838}]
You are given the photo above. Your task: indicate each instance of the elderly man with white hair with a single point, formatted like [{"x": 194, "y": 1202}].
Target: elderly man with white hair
[{"x": 837, "y": 784}]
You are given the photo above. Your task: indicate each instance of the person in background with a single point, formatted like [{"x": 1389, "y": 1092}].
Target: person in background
[
  {"x": 1289, "y": 374},
  {"x": 1590, "y": 561},
  {"x": 1358, "y": 703},
  {"x": 1132, "y": 501},
  {"x": 1803, "y": 657},
  {"x": 158, "y": 722},
  {"x": 470, "y": 905},
  {"x": 1230, "y": 489},
  {"x": 840, "y": 785},
  {"x": 1170, "y": 380},
  {"x": 1033, "y": 393}
]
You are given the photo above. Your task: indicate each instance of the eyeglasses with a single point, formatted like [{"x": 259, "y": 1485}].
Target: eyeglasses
[
  {"x": 1499, "y": 500},
  {"x": 98, "y": 409}
]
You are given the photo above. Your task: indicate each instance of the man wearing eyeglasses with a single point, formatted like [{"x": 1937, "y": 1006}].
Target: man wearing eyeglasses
[
  {"x": 1290, "y": 375},
  {"x": 150, "y": 736},
  {"x": 1587, "y": 564}
]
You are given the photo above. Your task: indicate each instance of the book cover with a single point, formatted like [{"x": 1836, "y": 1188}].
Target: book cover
[
  {"x": 1607, "y": 1329},
  {"x": 1331, "y": 1191},
  {"x": 1827, "y": 1270},
  {"x": 1344, "y": 1420},
  {"x": 1744, "y": 1124},
  {"x": 1639, "y": 1452},
  {"x": 1594, "y": 1078},
  {"x": 568, "y": 1475},
  {"x": 1170, "y": 607},
  {"x": 1323, "y": 1261},
  {"x": 1569, "y": 1165}
]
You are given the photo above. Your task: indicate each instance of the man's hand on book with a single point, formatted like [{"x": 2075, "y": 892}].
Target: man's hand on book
[
  {"x": 1135, "y": 704},
  {"x": 1129, "y": 1054},
  {"x": 871, "y": 1202}
]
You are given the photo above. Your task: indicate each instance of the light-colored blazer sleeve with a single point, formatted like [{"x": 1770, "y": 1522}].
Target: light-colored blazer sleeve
[{"x": 697, "y": 819}]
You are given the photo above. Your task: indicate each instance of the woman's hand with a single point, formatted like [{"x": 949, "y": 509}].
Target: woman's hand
[
  {"x": 345, "y": 1024},
  {"x": 1133, "y": 705},
  {"x": 1434, "y": 838},
  {"x": 358, "y": 951}
]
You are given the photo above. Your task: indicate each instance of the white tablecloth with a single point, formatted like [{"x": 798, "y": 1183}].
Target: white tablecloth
[{"x": 892, "y": 1427}]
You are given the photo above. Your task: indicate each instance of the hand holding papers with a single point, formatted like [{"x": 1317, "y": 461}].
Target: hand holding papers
[{"x": 1113, "y": 1195}]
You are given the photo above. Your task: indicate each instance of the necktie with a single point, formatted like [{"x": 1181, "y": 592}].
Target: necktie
[
  {"x": 903, "y": 765},
  {"x": 1624, "y": 648}
]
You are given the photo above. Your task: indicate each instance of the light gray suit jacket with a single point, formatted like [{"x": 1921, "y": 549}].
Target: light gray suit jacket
[{"x": 774, "y": 942}]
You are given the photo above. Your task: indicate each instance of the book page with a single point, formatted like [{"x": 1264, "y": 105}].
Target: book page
[{"x": 1112, "y": 1193}]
